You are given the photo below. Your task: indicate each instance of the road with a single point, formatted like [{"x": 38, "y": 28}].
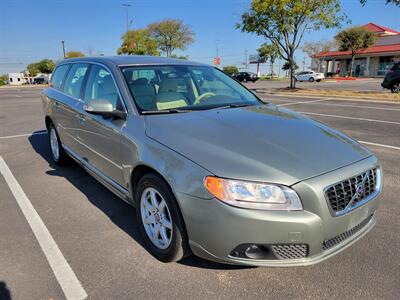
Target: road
[
  {"x": 96, "y": 235},
  {"x": 364, "y": 85}
]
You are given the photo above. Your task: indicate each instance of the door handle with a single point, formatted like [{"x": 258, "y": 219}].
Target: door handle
[
  {"x": 81, "y": 118},
  {"x": 57, "y": 105}
]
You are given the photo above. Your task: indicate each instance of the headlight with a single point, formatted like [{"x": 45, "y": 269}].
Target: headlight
[{"x": 253, "y": 194}]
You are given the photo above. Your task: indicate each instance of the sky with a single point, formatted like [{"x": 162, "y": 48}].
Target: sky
[{"x": 33, "y": 30}]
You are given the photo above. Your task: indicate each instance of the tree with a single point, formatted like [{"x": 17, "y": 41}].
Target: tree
[
  {"x": 354, "y": 39},
  {"x": 284, "y": 22},
  {"x": 395, "y": 2},
  {"x": 286, "y": 66},
  {"x": 33, "y": 69},
  {"x": 73, "y": 54},
  {"x": 46, "y": 66},
  {"x": 314, "y": 48},
  {"x": 230, "y": 70},
  {"x": 138, "y": 42},
  {"x": 268, "y": 51},
  {"x": 171, "y": 34}
]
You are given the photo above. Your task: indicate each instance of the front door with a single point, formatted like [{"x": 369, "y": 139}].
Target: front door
[{"x": 100, "y": 137}]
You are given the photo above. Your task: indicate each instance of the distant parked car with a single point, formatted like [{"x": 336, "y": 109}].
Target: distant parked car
[
  {"x": 392, "y": 79},
  {"x": 38, "y": 80},
  {"x": 310, "y": 76},
  {"x": 246, "y": 76}
]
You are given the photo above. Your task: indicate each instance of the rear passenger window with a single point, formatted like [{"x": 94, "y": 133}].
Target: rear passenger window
[
  {"x": 100, "y": 86},
  {"x": 58, "y": 76},
  {"x": 74, "y": 80}
]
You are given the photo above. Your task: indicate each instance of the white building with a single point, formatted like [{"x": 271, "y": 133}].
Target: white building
[{"x": 15, "y": 78}]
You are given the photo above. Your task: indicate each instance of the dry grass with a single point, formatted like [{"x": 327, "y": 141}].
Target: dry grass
[{"x": 384, "y": 96}]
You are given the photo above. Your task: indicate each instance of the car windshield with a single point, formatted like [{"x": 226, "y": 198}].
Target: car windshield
[{"x": 176, "y": 88}]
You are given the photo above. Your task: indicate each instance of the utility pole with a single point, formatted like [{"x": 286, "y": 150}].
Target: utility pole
[
  {"x": 127, "y": 15},
  {"x": 245, "y": 59},
  {"x": 304, "y": 63},
  {"x": 63, "y": 47}
]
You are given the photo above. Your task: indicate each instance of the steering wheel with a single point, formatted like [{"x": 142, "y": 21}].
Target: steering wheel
[{"x": 203, "y": 96}]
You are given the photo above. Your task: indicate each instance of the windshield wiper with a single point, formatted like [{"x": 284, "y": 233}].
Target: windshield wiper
[
  {"x": 233, "y": 105},
  {"x": 165, "y": 111}
]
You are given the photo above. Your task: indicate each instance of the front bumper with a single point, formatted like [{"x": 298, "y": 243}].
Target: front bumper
[{"x": 216, "y": 229}]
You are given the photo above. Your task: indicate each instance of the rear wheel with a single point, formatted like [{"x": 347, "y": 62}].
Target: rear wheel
[
  {"x": 160, "y": 221},
  {"x": 311, "y": 79},
  {"x": 57, "y": 152},
  {"x": 395, "y": 88}
]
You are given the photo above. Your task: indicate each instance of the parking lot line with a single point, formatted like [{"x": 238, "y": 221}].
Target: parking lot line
[
  {"x": 379, "y": 145},
  {"x": 348, "y": 105},
  {"x": 349, "y": 118},
  {"x": 67, "y": 279},
  {"x": 22, "y": 135},
  {"x": 304, "y": 102}
]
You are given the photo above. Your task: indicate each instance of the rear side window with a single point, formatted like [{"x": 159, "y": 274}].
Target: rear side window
[
  {"x": 74, "y": 80},
  {"x": 396, "y": 67},
  {"x": 58, "y": 76}
]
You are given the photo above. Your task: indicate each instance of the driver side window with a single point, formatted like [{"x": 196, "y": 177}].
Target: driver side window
[{"x": 101, "y": 86}]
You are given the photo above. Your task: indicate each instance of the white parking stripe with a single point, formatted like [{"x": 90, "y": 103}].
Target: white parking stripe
[
  {"x": 350, "y": 118},
  {"x": 346, "y": 105},
  {"x": 304, "y": 102},
  {"x": 379, "y": 145},
  {"x": 22, "y": 135},
  {"x": 67, "y": 279}
]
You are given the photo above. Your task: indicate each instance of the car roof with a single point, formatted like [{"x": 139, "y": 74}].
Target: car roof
[{"x": 132, "y": 60}]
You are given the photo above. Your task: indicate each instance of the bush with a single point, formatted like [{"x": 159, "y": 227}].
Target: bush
[
  {"x": 3, "y": 79},
  {"x": 230, "y": 70}
]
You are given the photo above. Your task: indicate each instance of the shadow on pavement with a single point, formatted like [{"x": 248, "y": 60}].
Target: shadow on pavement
[
  {"x": 5, "y": 293},
  {"x": 119, "y": 212}
]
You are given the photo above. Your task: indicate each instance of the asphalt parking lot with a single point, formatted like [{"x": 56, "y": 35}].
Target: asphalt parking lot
[
  {"x": 95, "y": 231},
  {"x": 364, "y": 85}
]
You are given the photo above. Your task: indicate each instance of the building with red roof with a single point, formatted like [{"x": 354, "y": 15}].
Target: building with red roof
[{"x": 373, "y": 61}]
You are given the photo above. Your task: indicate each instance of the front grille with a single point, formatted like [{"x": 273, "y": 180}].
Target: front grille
[
  {"x": 354, "y": 189},
  {"x": 290, "y": 251},
  {"x": 345, "y": 235}
]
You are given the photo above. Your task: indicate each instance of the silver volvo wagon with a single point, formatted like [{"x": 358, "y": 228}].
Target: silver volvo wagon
[{"x": 210, "y": 168}]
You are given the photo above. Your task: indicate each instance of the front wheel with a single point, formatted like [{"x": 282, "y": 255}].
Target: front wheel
[
  {"x": 311, "y": 79},
  {"x": 395, "y": 88},
  {"x": 160, "y": 222}
]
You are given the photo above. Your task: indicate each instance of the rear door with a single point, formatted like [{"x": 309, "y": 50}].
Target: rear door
[
  {"x": 100, "y": 137},
  {"x": 67, "y": 109}
]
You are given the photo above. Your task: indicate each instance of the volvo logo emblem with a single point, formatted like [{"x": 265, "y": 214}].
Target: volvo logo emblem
[{"x": 360, "y": 189}]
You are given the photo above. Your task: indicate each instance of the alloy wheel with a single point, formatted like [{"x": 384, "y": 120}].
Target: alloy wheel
[
  {"x": 55, "y": 149},
  {"x": 156, "y": 218}
]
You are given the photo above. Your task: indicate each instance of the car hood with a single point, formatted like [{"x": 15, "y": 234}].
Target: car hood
[{"x": 259, "y": 143}]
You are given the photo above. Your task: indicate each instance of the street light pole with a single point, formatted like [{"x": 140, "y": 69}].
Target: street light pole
[
  {"x": 63, "y": 47},
  {"x": 126, "y": 15}
]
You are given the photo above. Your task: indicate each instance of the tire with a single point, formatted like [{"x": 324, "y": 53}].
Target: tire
[
  {"x": 58, "y": 154},
  {"x": 311, "y": 79},
  {"x": 244, "y": 80},
  {"x": 158, "y": 210},
  {"x": 395, "y": 88}
]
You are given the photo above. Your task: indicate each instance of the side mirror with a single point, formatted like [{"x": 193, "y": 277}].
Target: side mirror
[{"x": 104, "y": 108}]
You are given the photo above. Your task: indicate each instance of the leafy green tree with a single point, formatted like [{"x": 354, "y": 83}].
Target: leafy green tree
[
  {"x": 231, "y": 70},
  {"x": 74, "y": 54},
  {"x": 395, "y": 2},
  {"x": 3, "y": 79},
  {"x": 314, "y": 48},
  {"x": 46, "y": 66},
  {"x": 138, "y": 42},
  {"x": 171, "y": 34},
  {"x": 268, "y": 51},
  {"x": 33, "y": 69},
  {"x": 284, "y": 22},
  {"x": 354, "y": 39}
]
